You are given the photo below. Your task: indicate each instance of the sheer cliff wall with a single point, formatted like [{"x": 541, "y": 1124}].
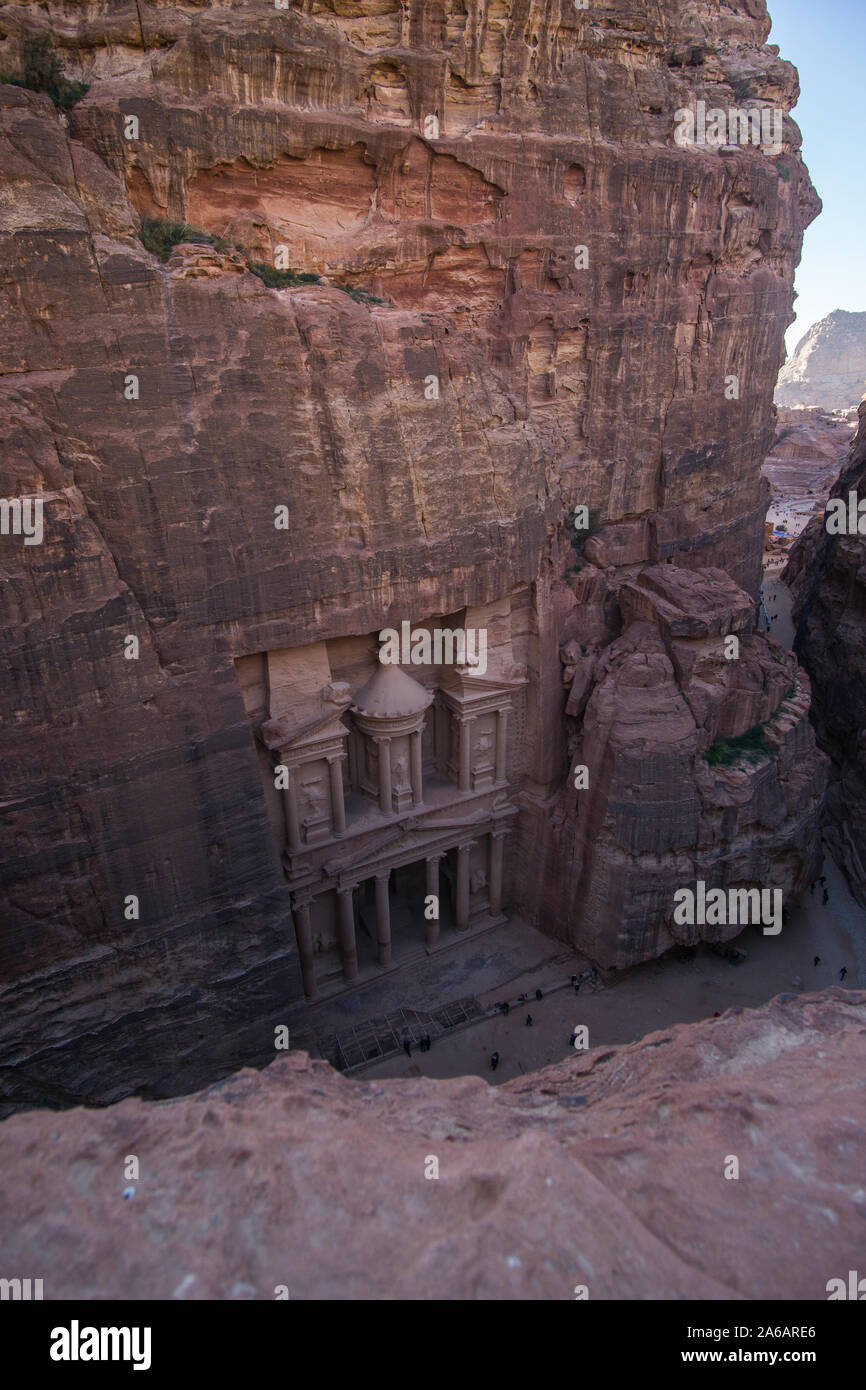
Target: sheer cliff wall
[
  {"x": 828, "y": 575},
  {"x": 564, "y": 378}
]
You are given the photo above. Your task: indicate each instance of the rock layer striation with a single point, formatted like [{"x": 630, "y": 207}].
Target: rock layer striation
[{"x": 486, "y": 197}]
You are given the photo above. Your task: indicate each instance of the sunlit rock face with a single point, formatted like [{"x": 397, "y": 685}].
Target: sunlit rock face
[
  {"x": 828, "y": 367},
  {"x": 685, "y": 1166},
  {"x": 828, "y": 575},
  {"x": 602, "y": 312}
]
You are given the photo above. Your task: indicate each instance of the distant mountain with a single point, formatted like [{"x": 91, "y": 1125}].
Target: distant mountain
[{"x": 828, "y": 368}]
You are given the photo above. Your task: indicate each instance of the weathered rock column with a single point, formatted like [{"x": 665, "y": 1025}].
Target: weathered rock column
[
  {"x": 497, "y": 845},
  {"x": 416, "y": 770},
  {"x": 463, "y": 854},
  {"x": 433, "y": 891},
  {"x": 383, "y": 918},
  {"x": 338, "y": 805},
  {"x": 304, "y": 938},
  {"x": 348, "y": 948},
  {"x": 383, "y": 746}
]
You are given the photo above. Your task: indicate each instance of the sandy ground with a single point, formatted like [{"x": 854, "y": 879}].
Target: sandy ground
[
  {"x": 653, "y": 996},
  {"x": 778, "y": 602},
  {"x": 794, "y": 515}
]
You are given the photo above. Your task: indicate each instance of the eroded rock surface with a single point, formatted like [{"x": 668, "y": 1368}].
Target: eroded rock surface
[
  {"x": 558, "y": 386},
  {"x": 828, "y": 576},
  {"x": 606, "y": 1171},
  {"x": 828, "y": 368},
  {"x": 673, "y": 797},
  {"x": 808, "y": 454}
]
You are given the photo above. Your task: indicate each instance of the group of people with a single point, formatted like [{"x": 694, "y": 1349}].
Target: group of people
[
  {"x": 773, "y": 600},
  {"x": 842, "y": 973},
  {"x": 503, "y": 1007}
]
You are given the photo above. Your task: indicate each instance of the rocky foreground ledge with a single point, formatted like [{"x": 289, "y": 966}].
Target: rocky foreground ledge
[{"x": 606, "y": 1171}]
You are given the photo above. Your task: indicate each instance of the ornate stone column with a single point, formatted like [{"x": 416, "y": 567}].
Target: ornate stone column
[
  {"x": 383, "y": 918},
  {"x": 338, "y": 805},
  {"x": 433, "y": 891},
  {"x": 348, "y": 948},
  {"x": 465, "y": 753},
  {"x": 352, "y": 746},
  {"x": 463, "y": 853},
  {"x": 501, "y": 731},
  {"x": 416, "y": 772},
  {"x": 383, "y": 746},
  {"x": 440, "y": 715},
  {"x": 304, "y": 938},
  {"x": 290, "y": 803},
  {"x": 497, "y": 845}
]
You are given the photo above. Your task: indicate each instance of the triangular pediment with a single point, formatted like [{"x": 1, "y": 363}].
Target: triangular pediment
[
  {"x": 463, "y": 683},
  {"x": 275, "y": 734}
]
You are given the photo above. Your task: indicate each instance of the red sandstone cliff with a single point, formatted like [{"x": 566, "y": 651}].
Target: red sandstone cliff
[
  {"x": 305, "y": 128},
  {"x": 828, "y": 575}
]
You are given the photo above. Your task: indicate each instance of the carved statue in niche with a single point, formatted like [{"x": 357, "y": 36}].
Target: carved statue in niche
[
  {"x": 482, "y": 748},
  {"x": 372, "y": 754},
  {"x": 477, "y": 881},
  {"x": 313, "y": 797},
  {"x": 401, "y": 771}
]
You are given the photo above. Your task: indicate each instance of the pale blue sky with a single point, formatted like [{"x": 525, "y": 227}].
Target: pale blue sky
[{"x": 826, "y": 42}]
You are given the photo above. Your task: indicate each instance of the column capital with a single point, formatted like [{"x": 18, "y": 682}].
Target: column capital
[
  {"x": 382, "y": 873},
  {"x": 303, "y": 898},
  {"x": 344, "y": 888},
  {"x": 467, "y": 844},
  {"x": 381, "y": 738},
  {"x": 499, "y": 834},
  {"x": 335, "y": 757}
]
